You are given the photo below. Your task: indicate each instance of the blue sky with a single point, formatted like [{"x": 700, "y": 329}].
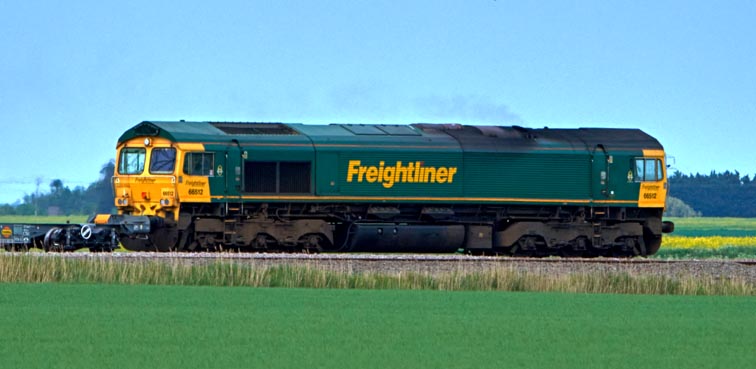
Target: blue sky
[{"x": 75, "y": 74}]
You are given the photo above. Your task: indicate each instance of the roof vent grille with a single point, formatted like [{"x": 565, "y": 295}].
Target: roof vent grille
[{"x": 234, "y": 128}]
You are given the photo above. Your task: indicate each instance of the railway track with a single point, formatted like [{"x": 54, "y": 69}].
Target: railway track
[{"x": 379, "y": 257}]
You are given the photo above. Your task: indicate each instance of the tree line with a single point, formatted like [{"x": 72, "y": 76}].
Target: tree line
[
  {"x": 725, "y": 194},
  {"x": 97, "y": 198}
]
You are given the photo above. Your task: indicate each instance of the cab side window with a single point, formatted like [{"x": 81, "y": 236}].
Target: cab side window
[
  {"x": 199, "y": 163},
  {"x": 648, "y": 170}
]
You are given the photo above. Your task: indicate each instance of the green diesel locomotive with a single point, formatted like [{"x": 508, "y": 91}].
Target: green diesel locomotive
[{"x": 414, "y": 188}]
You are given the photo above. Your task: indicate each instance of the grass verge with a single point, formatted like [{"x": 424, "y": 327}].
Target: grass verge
[
  {"x": 120, "y": 326},
  {"x": 43, "y": 269},
  {"x": 62, "y": 219}
]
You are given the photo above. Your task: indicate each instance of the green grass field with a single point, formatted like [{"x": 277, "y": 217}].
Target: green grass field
[
  {"x": 118, "y": 326},
  {"x": 704, "y": 238},
  {"x": 703, "y": 227}
]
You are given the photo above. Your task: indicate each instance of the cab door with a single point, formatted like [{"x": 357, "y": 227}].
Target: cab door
[
  {"x": 600, "y": 173},
  {"x": 217, "y": 178},
  {"x": 225, "y": 179},
  {"x": 234, "y": 157}
]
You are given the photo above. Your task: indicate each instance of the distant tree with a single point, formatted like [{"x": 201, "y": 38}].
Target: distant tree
[
  {"x": 38, "y": 181},
  {"x": 7, "y": 209},
  {"x": 101, "y": 192},
  {"x": 56, "y": 187},
  {"x": 678, "y": 208},
  {"x": 25, "y": 209}
]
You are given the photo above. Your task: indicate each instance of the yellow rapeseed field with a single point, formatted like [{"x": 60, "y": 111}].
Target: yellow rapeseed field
[{"x": 710, "y": 242}]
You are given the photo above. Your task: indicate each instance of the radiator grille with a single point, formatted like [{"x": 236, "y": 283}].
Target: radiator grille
[{"x": 277, "y": 177}]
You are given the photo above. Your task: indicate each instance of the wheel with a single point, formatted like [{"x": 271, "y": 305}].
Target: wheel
[
  {"x": 165, "y": 239},
  {"x": 653, "y": 245},
  {"x": 52, "y": 240},
  {"x": 311, "y": 243},
  {"x": 136, "y": 244}
]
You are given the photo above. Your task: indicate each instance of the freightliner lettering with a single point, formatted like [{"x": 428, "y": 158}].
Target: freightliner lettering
[{"x": 413, "y": 172}]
